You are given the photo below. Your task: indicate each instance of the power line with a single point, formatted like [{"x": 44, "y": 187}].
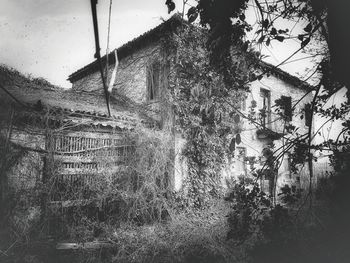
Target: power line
[
  {"x": 97, "y": 54},
  {"x": 108, "y": 34}
]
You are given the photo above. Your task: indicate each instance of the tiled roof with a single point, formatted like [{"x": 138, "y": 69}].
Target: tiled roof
[
  {"x": 283, "y": 75},
  {"x": 155, "y": 34}
]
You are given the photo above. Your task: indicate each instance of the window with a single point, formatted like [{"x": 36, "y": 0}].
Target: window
[
  {"x": 287, "y": 107},
  {"x": 153, "y": 79},
  {"x": 265, "y": 109},
  {"x": 308, "y": 114}
]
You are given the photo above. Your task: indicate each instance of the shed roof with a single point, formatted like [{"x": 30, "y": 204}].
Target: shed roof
[{"x": 31, "y": 91}]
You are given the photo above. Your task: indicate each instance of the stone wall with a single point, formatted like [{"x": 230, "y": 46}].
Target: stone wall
[
  {"x": 130, "y": 79},
  {"x": 131, "y": 82}
]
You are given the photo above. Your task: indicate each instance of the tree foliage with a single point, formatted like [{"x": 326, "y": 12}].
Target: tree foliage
[
  {"x": 325, "y": 18},
  {"x": 227, "y": 27}
]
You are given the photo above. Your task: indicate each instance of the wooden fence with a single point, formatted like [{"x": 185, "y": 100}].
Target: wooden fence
[{"x": 83, "y": 157}]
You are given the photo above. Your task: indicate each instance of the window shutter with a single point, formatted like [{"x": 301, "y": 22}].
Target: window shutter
[
  {"x": 287, "y": 105},
  {"x": 308, "y": 114}
]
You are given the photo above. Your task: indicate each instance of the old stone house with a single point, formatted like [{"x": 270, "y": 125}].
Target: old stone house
[
  {"x": 41, "y": 121},
  {"x": 142, "y": 78}
]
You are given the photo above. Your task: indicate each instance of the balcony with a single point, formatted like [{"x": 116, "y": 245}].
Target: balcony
[{"x": 268, "y": 134}]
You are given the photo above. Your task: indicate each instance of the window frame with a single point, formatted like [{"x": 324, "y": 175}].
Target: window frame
[{"x": 265, "y": 94}]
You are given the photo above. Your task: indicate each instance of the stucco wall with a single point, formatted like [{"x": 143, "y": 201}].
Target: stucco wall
[
  {"x": 250, "y": 141},
  {"x": 251, "y": 144},
  {"x": 277, "y": 89}
]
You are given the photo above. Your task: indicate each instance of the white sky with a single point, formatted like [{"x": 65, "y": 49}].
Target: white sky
[{"x": 52, "y": 39}]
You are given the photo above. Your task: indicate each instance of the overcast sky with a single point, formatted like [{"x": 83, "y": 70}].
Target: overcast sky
[{"x": 52, "y": 39}]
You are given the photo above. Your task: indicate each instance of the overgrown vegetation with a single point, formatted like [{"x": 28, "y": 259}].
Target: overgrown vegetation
[
  {"x": 39, "y": 199},
  {"x": 207, "y": 109},
  {"x": 132, "y": 209},
  {"x": 11, "y": 75},
  {"x": 121, "y": 206}
]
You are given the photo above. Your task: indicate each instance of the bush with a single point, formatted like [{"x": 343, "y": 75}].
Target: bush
[
  {"x": 249, "y": 207},
  {"x": 137, "y": 192}
]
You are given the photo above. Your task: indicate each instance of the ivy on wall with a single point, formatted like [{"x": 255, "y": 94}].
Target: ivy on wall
[{"x": 207, "y": 108}]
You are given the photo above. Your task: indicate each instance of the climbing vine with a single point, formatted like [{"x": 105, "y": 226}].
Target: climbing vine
[{"x": 207, "y": 107}]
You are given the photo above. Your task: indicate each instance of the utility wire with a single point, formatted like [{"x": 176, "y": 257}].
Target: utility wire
[
  {"x": 97, "y": 54},
  {"x": 108, "y": 33}
]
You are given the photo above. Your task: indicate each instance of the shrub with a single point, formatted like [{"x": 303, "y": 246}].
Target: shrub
[{"x": 249, "y": 208}]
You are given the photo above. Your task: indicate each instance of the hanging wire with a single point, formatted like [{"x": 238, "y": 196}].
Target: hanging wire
[
  {"x": 98, "y": 55},
  {"x": 108, "y": 34}
]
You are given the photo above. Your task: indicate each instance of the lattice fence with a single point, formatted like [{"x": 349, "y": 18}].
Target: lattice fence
[{"x": 82, "y": 159}]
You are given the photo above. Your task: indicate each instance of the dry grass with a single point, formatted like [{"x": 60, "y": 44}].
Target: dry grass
[{"x": 187, "y": 237}]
